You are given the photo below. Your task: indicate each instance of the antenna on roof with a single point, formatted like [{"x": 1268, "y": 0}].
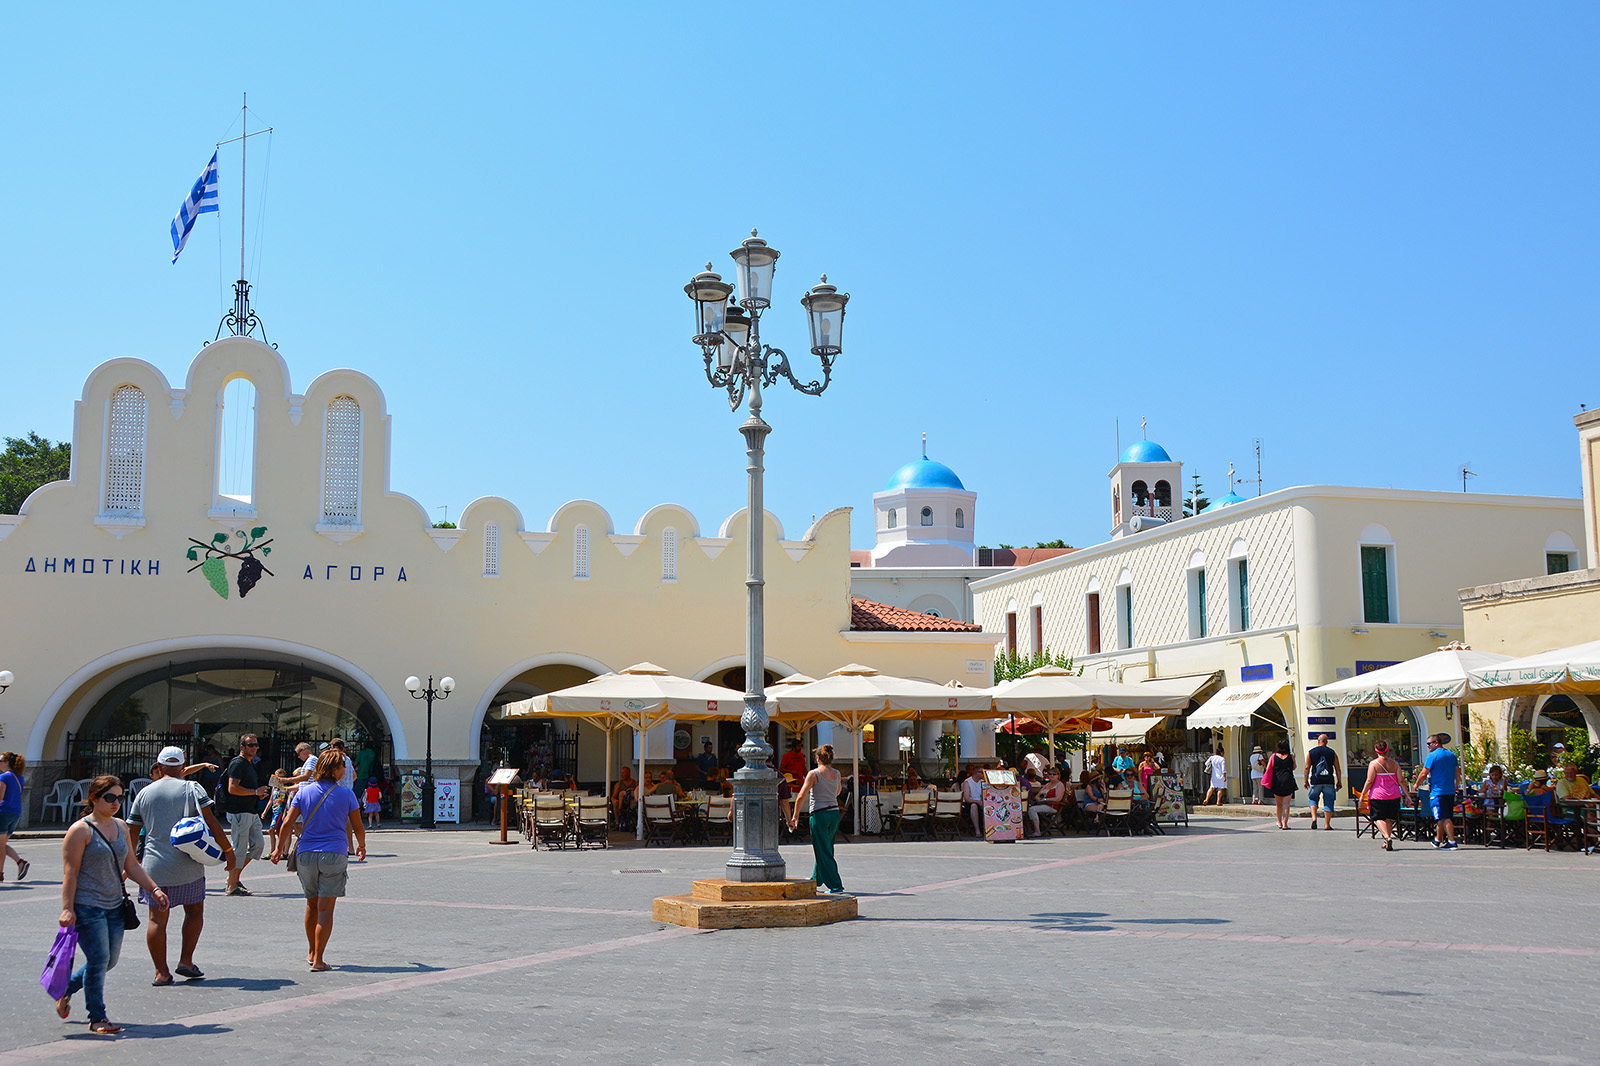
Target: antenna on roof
[
  {"x": 1466, "y": 472},
  {"x": 1257, "y": 481}
]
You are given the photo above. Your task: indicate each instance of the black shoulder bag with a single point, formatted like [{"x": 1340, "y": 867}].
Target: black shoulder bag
[{"x": 130, "y": 913}]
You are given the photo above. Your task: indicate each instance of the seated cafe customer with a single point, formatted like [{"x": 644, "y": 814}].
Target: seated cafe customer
[
  {"x": 1494, "y": 785},
  {"x": 1570, "y": 788}
]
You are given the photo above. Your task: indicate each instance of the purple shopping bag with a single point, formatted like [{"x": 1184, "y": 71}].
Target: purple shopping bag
[{"x": 58, "y": 968}]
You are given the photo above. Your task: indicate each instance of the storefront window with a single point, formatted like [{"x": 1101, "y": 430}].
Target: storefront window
[
  {"x": 1366, "y": 726},
  {"x": 1266, "y": 728}
]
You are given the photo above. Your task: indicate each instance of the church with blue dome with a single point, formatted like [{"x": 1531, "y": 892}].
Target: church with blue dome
[{"x": 924, "y": 516}]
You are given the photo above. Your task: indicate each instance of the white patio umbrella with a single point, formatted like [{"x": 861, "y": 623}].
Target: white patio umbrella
[
  {"x": 640, "y": 697},
  {"x": 854, "y": 696},
  {"x": 1440, "y": 677},
  {"x": 797, "y": 722},
  {"x": 1056, "y": 697},
  {"x": 1573, "y": 671}
]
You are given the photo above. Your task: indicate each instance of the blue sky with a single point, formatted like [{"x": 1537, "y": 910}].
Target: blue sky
[{"x": 1364, "y": 234}]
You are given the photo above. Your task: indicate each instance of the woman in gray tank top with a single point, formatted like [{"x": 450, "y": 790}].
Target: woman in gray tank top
[
  {"x": 97, "y": 856},
  {"x": 821, "y": 789}
]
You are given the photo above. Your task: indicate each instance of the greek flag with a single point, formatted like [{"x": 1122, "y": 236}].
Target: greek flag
[{"x": 202, "y": 198}]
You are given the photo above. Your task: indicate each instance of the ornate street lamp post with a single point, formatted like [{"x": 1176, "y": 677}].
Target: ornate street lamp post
[
  {"x": 729, "y": 333},
  {"x": 428, "y": 692}
]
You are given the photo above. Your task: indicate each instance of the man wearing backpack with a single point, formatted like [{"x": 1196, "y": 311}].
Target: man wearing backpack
[{"x": 159, "y": 806}]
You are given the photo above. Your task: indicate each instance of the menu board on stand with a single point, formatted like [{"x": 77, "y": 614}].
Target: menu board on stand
[
  {"x": 1168, "y": 799},
  {"x": 1002, "y": 806}
]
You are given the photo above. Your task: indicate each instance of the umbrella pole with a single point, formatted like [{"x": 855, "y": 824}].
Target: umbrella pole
[
  {"x": 638, "y": 830},
  {"x": 609, "y": 734},
  {"x": 1052, "y": 742},
  {"x": 855, "y": 761}
]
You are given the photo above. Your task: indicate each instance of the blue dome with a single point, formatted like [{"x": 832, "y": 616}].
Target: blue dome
[
  {"x": 1145, "y": 451},
  {"x": 924, "y": 473},
  {"x": 1227, "y": 501}
]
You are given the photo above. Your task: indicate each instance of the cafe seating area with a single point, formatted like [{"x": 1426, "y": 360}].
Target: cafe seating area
[{"x": 1529, "y": 822}]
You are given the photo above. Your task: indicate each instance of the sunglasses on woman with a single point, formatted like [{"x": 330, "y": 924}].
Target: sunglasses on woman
[{"x": 114, "y": 797}]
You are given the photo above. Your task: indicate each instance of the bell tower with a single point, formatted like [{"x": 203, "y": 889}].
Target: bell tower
[{"x": 1146, "y": 488}]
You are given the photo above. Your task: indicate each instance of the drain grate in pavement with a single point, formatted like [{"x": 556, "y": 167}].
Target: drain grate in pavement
[{"x": 639, "y": 871}]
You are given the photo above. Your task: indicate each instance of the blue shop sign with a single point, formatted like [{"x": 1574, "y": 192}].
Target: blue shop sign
[{"x": 1256, "y": 673}]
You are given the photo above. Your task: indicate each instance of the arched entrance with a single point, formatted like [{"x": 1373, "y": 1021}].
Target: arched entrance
[
  {"x": 729, "y": 735},
  {"x": 205, "y": 703},
  {"x": 546, "y": 745},
  {"x": 1556, "y": 716}
]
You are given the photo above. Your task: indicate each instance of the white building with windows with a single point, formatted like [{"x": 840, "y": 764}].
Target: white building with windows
[{"x": 1260, "y": 599}]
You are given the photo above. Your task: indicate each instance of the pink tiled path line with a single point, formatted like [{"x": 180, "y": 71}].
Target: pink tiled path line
[
  {"x": 268, "y": 1008},
  {"x": 1326, "y": 941}
]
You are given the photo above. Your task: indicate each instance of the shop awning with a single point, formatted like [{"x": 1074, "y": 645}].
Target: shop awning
[
  {"x": 1234, "y": 705},
  {"x": 1127, "y": 729}
]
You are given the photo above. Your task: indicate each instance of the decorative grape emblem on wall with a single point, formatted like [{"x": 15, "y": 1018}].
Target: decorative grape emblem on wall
[{"x": 215, "y": 569}]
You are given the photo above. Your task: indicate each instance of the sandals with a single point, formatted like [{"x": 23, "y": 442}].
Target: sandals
[
  {"x": 105, "y": 1028},
  {"x": 191, "y": 973},
  {"x": 1388, "y": 845},
  {"x": 161, "y": 982},
  {"x": 23, "y": 866}
]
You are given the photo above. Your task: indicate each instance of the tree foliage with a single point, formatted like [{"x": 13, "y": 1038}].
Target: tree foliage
[
  {"x": 1057, "y": 543},
  {"x": 1196, "y": 501},
  {"x": 1011, "y": 664},
  {"x": 27, "y": 463}
]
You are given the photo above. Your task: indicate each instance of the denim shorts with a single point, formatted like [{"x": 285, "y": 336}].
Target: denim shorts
[
  {"x": 1322, "y": 795},
  {"x": 1444, "y": 807},
  {"x": 8, "y": 822}
]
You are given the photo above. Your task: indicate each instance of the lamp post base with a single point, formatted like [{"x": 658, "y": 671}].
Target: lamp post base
[{"x": 755, "y": 827}]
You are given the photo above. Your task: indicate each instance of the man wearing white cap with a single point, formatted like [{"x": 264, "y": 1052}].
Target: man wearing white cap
[{"x": 159, "y": 806}]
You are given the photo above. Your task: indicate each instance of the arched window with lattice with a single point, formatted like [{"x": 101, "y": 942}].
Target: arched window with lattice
[
  {"x": 127, "y": 430},
  {"x": 669, "y": 555},
  {"x": 341, "y": 462},
  {"x": 580, "y": 553},
  {"x": 491, "y": 549}
]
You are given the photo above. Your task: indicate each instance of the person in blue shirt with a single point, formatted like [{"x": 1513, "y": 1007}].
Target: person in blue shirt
[{"x": 1441, "y": 772}]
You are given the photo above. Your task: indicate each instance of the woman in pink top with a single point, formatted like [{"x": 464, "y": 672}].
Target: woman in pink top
[{"x": 1383, "y": 791}]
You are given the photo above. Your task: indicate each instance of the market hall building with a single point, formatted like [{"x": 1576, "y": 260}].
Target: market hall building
[{"x": 227, "y": 557}]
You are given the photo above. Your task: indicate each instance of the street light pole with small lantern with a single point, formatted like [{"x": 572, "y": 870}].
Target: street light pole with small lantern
[{"x": 428, "y": 692}]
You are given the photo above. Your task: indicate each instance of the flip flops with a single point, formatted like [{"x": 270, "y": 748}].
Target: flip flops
[
  {"x": 191, "y": 973},
  {"x": 23, "y": 866},
  {"x": 161, "y": 982}
]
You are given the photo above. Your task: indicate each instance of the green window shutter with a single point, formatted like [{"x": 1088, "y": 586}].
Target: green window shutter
[
  {"x": 1375, "y": 584},
  {"x": 1200, "y": 587},
  {"x": 1557, "y": 562},
  {"x": 1244, "y": 594}
]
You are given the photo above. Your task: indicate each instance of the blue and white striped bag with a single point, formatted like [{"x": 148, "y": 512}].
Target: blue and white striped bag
[{"x": 192, "y": 836}]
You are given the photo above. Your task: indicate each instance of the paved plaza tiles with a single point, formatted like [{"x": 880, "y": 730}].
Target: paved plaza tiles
[{"x": 1226, "y": 942}]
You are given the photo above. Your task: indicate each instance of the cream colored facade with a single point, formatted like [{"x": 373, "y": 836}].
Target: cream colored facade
[
  {"x": 1307, "y": 623},
  {"x": 98, "y": 586},
  {"x": 1530, "y": 615}
]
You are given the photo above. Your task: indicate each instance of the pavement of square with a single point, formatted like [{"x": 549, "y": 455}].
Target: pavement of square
[{"x": 1226, "y": 942}]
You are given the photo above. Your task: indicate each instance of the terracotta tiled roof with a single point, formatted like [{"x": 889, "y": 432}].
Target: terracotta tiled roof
[
  {"x": 1028, "y": 556},
  {"x": 867, "y": 615}
]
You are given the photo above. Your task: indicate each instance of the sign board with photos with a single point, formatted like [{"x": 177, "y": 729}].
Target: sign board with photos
[{"x": 447, "y": 800}]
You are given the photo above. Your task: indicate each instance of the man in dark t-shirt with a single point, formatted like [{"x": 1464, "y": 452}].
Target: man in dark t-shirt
[
  {"x": 243, "y": 793},
  {"x": 1322, "y": 780}
]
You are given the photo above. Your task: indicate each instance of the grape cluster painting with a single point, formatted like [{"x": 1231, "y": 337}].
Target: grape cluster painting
[{"x": 213, "y": 564}]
